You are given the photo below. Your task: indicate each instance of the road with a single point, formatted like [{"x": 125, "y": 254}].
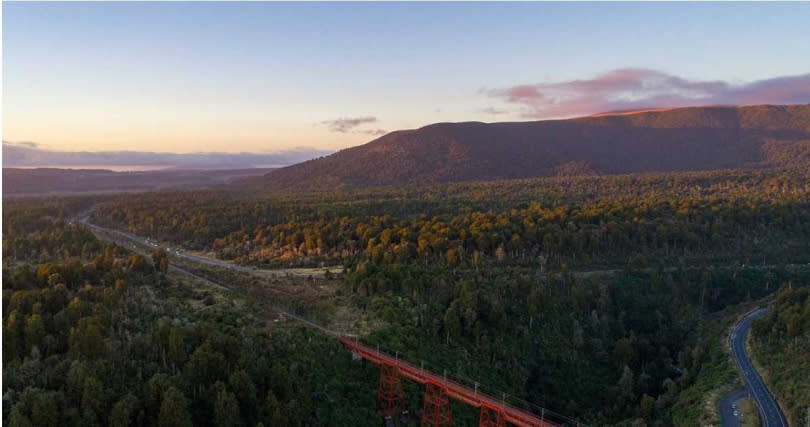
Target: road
[
  {"x": 175, "y": 252},
  {"x": 125, "y": 239},
  {"x": 148, "y": 243},
  {"x": 728, "y": 406},
  {"x": 106, "y": 235},
  {"x": 770, "y": 413},
  {"x": 319, "y": 272}
]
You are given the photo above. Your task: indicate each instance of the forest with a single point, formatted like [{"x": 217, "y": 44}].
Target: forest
[
  {"x": 95, "y": 335},
  {"x": 623, "y": 284},
  {"x": 781, "y": 344},
  {"x": 587, "y": 222}
]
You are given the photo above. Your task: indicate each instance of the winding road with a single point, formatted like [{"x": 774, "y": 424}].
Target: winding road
[{"x": 770, "y": 413}]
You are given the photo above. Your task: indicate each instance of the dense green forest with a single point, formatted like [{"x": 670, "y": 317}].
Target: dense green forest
[
  {"x": 36, "y": 231},
  {"x": 595, "y": 297},
  {"x": 95, "y": 335},
  {"x": 628, "y": 339},
  {"x": 781, "y": 345}
]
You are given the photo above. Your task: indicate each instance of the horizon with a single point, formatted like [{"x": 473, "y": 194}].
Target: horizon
[
  {"x": 27, "y": 155},
  {"x": 259, "y": 86}
]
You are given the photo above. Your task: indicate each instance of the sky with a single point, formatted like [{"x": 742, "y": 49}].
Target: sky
[{"x": 276, "y": 77}]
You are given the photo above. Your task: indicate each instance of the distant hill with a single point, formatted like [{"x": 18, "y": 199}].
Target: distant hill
[
  {"x": 657, "y": 140},
  {"x": 29, "y": 155},
  {"x": 74, "y": 181}
]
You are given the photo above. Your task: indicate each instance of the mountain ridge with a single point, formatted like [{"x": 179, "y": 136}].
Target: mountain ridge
[{"x": 669, "y": 140}]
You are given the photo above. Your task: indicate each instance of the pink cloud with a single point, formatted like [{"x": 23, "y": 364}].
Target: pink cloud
[{"x": 638, "y": 88}]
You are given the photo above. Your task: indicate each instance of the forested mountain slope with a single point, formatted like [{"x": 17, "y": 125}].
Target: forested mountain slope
[{"x": 698, "y": 138}]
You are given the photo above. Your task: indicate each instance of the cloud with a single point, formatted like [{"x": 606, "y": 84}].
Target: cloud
[
  {"x": 29, "y": 156},
  {"x": 638, "y": 88},
  {"x": 344, "y": 125},
  {"x": 28, "y": 144},
  {"x": 494, "y": 111},
  {"x": 375, "y": 132}
]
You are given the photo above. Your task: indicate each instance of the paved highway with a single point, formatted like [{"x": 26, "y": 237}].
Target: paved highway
[
  {"x": 729, "y": 405},
  {"x": 173, "y": 252},
  {"x": 176, "y": 252},
  {"x": 770, "y": 413},
  {"x": 106, "y": 234}
]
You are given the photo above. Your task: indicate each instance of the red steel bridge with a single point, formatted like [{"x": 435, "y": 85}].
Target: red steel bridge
[{"x": 438, "y": 392}]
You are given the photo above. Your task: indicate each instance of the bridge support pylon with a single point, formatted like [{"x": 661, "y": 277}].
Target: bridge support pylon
[
  {"x": 491, "y": 416},
  {"x": 389, "y": 392},
  {"x": 436, "y": 411}
]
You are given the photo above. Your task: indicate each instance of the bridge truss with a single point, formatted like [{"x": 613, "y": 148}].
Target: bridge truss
[{"x": 438, "y": 392}]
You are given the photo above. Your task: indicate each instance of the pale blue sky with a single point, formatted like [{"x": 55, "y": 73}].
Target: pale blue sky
[{"x": 267, "y": 76}]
